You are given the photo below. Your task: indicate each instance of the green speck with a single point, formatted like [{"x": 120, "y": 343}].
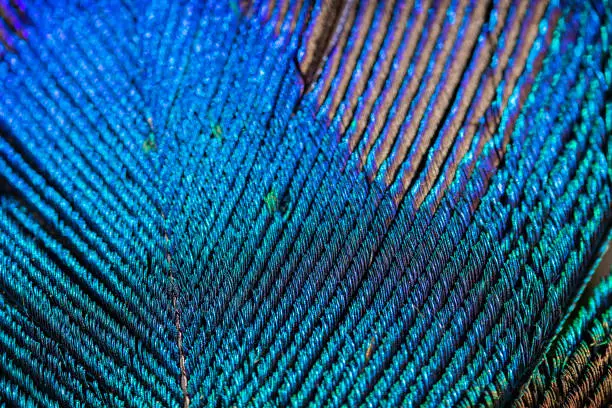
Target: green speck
[
  {"x": 149, "y": 144},
  {"x": 235, "y": 7},
  {"x": 217, "y": 131},
  {"x": 271, "y": 200}
]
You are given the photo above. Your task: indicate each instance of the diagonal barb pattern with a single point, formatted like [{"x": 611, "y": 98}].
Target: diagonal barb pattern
[{"x": 305, "y": 203}]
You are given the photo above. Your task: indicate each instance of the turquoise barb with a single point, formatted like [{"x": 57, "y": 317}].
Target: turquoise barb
[{"x": 345, "y": 203}]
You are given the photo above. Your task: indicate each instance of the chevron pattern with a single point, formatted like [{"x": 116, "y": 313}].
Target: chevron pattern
[{"x": 304, "y": 203}]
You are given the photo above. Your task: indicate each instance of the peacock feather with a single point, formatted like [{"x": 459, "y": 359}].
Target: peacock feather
[{"x": 305, "y": 203}]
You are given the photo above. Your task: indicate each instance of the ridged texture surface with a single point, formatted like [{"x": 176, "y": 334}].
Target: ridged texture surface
[
  {"x": 577, "y": 370},
  {"x": 279, "y": 203},
  {"x": 13, "y": 21}
]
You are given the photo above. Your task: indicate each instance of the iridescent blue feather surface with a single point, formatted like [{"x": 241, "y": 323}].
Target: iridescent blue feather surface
[{"x": 275, "y": 203}]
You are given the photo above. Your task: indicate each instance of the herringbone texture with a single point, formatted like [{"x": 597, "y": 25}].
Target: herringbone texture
[{"x": 272, "y": 203}]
